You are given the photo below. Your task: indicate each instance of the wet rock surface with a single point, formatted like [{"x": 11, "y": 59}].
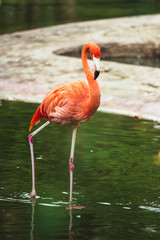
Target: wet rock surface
[{"x": 34, "y": 62}]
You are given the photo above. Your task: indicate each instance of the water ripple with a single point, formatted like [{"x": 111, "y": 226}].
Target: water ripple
[{"x": 152, "y": 209}]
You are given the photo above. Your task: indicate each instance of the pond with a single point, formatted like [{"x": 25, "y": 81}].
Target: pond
[
  {"x": 18, "y": 15},
  {"x": 137, "y": 60},
  {"x": 116, "y": 178}
]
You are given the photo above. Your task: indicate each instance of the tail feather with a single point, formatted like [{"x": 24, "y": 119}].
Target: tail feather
[{"x": 36, "y": 118}]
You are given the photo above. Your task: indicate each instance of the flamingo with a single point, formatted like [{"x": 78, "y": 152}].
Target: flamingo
[{"x": 71, "y": 104}]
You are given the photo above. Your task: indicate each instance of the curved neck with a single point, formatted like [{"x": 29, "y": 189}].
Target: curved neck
[
  {"x": 87, "y": 70},
  {"x": 93, "y": 84}
]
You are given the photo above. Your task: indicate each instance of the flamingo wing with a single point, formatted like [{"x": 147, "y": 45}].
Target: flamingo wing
[{"x": 64, "y": 105}]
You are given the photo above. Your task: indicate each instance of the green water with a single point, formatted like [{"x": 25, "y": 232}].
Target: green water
[
  {"x": 152, "y": 62},
  {"x": 116, "y": 178},
  {"x": 18, "y": 15}
]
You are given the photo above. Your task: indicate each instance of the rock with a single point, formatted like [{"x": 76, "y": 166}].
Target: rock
[{"x": 34, "y": 62}]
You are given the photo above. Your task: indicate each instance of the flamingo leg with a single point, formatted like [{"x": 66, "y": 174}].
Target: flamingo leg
[
  {"x": 71, "y": 165},
  {"x": 31, "y": 139}
]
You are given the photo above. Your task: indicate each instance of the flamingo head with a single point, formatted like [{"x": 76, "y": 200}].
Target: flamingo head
[{"x": 95, "y": 53}]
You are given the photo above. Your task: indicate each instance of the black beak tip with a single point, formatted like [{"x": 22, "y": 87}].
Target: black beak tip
[{"x": 96, "y": 74}]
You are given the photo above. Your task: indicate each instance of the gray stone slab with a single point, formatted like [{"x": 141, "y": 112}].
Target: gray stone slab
[{"x": 34, "y": 62}]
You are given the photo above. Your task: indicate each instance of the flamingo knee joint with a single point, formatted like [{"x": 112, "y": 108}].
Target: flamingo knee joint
[{"x": 31, "y": 138}]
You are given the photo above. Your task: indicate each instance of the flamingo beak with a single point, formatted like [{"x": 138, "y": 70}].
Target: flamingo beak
[
  {"x": 96, "y": 67},
  {"x": 96, "y": 74}
]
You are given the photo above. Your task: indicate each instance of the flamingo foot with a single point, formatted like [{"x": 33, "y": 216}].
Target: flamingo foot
[
  {"x": 75, "y": 207},
  {"x": 71, "y": 234},
  {"x": 33, "y": 193}
]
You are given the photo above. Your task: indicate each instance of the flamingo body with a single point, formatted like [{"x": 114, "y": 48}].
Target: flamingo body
[
  {"x": 67, "y": 104},
  {"x": 72, "y": 103}
]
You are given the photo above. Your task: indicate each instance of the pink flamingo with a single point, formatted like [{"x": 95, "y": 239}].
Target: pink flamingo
[{"x": 71, "y": 103}]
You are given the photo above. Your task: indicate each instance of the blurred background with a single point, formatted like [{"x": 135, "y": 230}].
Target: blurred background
[{"x": 18, "y": 15}]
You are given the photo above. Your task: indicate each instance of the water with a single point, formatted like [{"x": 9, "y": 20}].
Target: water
[
  {"x": 133, "y": 60},
  {"x": 152, "y": 62},
  {"x": 21, "y": 15},
  {"x": 116, "y": 178}
]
